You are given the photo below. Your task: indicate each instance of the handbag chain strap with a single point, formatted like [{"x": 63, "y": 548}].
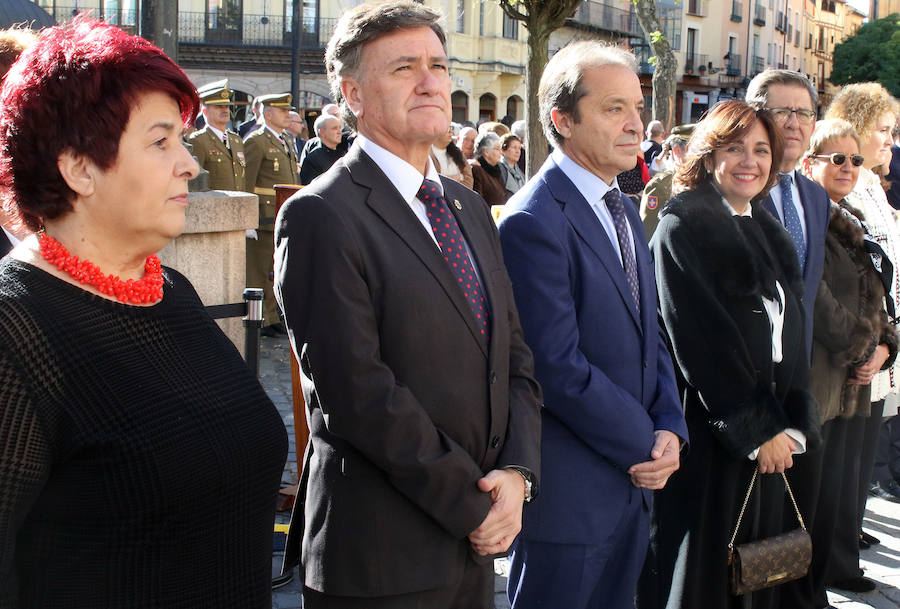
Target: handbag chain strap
[{"x": 747, "y": 499}]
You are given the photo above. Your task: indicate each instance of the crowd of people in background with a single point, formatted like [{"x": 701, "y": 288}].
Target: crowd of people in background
[{"x": 656, "y": 348}]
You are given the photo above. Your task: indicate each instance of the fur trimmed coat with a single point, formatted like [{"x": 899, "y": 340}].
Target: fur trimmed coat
[
  {"x": 850, "y": 320},
  {"x": 712, "y": 270}
]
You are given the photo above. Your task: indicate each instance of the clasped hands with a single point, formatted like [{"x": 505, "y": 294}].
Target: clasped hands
[
  {"x": 504, "y": 520},
  {"x": 665, "y": 459}
]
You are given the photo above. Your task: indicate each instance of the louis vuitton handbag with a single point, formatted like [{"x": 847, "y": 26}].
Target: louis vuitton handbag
[{"x": 771, "y": 561}]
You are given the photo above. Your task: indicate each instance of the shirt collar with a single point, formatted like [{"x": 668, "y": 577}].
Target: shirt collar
[
  {"x": 275, "y": 133},
  {"x": 405, "y": 178},
  {"x": 219, "y": 134},
  {"x": 591, "y": 187}
]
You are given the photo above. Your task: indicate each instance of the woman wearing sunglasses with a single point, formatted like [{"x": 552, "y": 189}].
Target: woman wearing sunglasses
[
  {"x": 872, "y": 111},
  {"x": 850, "y": 326}
]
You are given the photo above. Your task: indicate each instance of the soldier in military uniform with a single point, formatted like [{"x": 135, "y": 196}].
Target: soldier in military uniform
[
  {"x": 219, "y": 150},
  {"x": 658, "y": 190},
  {"x": 271, "y": 159}
]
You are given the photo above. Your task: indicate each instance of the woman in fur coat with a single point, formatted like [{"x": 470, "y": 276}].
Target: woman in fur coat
[
  {"x": 849, "y": 328},
  {"x": 729, "y": 285}
]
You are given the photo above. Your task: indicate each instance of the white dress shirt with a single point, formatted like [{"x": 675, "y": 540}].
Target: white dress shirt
[
  {"x": 219, "y": 134},
  {"x": 775, "y": 312},
  {"x": 407, "y": 180},
  {"x": 593, "y": 189},
  {"x": 775, "y": 193}
]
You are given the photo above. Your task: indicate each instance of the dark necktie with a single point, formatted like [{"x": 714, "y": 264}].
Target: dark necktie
[
  {"x": 617, "y": 208},
  {"x": 287, "y": 149},
  {"x": 791, "y": 219},
  {"x": 449, "y": 237}
]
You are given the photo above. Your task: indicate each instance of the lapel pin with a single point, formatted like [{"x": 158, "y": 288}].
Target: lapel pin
[{"x": 458, "y": 204}]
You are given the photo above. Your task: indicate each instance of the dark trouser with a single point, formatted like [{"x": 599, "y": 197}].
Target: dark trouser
[
  {"x": 887, "y": 456},
  {"x": 475, "y": 590},
  {"x": 862, "y": 435},
  {"x": 818, "y": 480},
  {"x": 575, "y": 576}
]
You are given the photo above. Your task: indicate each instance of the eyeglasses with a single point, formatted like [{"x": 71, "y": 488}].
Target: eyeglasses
[
  {"x": 839, "y": 158},
  {"x": 804, "y": 117}
]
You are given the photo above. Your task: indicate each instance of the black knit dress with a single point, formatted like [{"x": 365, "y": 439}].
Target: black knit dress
[{"x": 139, "y": 456}]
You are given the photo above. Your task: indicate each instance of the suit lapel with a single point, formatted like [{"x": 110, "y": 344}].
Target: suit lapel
[
  {"x": 386, "y": 202},
  {"x": 807, "y": 200},
  {"x": 586, "y": 223},
  {"x": 219, "y": 144}
]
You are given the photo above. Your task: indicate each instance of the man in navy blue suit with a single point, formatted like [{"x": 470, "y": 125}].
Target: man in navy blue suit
[
  {"x": 583, "y": 281},
  {"x": 792, "y": 101}
]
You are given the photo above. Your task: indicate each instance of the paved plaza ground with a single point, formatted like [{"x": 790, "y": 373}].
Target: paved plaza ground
[{"x": 882, "y": 562}]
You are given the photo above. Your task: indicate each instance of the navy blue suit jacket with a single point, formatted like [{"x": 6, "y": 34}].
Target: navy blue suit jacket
[
  {"x": 607, "y": 376},
  {"x": 816, "y": 211}
]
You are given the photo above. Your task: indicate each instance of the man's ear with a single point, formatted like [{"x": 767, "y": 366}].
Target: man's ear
[
  {"x": 78, "y": 172},
  {"x": 352, "y": 93},
  {"x": 563, "y": 122}
]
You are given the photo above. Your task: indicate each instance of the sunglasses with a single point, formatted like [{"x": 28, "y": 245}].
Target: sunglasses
[{"x": 839, "y": 158}]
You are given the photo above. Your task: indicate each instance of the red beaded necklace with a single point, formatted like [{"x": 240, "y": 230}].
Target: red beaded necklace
[{"x": 145, "y": 290}]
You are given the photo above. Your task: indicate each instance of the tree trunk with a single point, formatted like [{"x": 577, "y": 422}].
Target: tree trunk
[
  {"x": 541, "y": 18},
  {"x": 536, "y": 143},
  {"x": 664, "y": 73}
]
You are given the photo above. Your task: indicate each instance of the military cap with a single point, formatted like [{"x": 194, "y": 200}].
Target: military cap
[
  {"x": 215, "y": 93},
  {"x": 276, "y": 100},
  {"x": 683, "y": 131}
]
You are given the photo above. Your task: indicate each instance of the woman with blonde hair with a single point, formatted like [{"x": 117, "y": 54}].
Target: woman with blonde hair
[{"x": 872, "y": 111}]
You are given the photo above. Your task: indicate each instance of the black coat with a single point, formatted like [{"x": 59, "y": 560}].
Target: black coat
[{"x": 712, "y": 270}]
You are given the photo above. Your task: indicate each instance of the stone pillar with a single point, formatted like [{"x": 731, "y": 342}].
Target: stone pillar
[{"x": 211, "y": 250}]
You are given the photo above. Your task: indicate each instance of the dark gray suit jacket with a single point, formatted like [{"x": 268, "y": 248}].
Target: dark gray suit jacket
[{"x": 408, "y": 405}]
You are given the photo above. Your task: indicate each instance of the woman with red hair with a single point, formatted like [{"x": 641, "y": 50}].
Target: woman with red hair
[
  {"x": 729, "y": 289},
  {"x": 139, "y": 456}
]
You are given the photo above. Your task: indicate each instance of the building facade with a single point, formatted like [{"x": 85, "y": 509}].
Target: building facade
[{"x": 719, "y": 45}]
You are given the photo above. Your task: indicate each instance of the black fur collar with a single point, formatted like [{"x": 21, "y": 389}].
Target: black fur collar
[{"x": 724, "y": 249}]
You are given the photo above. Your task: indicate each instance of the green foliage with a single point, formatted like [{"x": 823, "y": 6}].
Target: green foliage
[
  {"x": 656, "y": 37},
  {"x": 872, "y": 54}
]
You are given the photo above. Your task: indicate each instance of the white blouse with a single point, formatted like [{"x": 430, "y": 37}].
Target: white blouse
[{"x": 868, "y": 196}]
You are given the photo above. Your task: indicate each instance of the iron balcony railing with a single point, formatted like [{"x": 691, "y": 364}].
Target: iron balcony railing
[
  {"x": 759, "y": 64},
  {"x": 759, "y": 17},
  {"x": 734, "y": 65},
  {"x": 252, "y": 30},
  {"x": 697, "y": 8},
  {"x": 696, "y": 63},
  {"x": 128, "y": 20},
  {"x": 609, "y": 18}
]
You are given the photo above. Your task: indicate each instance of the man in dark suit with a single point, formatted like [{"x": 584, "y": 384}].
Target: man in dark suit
[
  {"x": 612, "y": 424},
  {"x": 803, "y": 208},
  {"x": 421, "y": 402},
  {"x": 792, "y": 101}
]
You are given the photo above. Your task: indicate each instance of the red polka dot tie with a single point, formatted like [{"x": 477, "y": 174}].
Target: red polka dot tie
[
  {"x": 449, "y": 238},
  {"x": 616, "y": 205}
]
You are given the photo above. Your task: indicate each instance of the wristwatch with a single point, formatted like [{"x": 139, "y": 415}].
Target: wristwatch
[{"x": 526, "y": 475}]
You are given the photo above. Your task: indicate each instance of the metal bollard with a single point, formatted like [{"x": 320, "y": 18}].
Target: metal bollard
[{"x": 252, "y": 325}]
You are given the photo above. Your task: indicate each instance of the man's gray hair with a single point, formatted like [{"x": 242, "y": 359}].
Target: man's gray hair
[
  {"x": 520, "y": 130},
  {"x": 655, "y": 128},
  {"x": 320, "y": 122},
  {"x": 561, "y": 84},
  {"x": 364, "y": 24},
  {"x": 486, "y": 141},
  {"x": 758, "y": 89}
]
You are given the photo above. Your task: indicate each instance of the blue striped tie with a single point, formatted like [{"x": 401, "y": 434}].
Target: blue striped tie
[{"x": 791, "y": 219}]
